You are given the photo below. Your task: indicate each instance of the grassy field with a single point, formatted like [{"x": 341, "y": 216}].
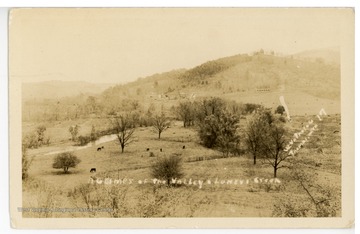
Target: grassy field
[{"x": 50, "y": 188}]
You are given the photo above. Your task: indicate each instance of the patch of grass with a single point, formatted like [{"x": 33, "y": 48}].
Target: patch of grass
[{"x": 184, "y": 201}]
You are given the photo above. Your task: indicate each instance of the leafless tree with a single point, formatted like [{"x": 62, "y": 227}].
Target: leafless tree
[
  {"x": 160, "y": 123},
  {"x": 253, "y": 139},
  {"x": 124, "y": 129},
  {"x": 273, "y": 145}
]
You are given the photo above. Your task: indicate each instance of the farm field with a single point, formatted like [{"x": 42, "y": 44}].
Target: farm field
[{"x": 49, "y": 188}]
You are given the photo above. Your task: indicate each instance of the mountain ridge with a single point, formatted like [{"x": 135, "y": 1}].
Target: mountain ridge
[{"x": 258, "y": 78}]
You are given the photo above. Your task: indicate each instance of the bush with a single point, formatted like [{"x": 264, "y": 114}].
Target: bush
[
  {"x": 65, "y": 161},
  {"x": 31, "y": 141},
  {"x": 83, "y": 140},
  {"x": 291, "y": 207},
  {"x": 280, "y": 110},
  {"x": 167, "y": 168}
]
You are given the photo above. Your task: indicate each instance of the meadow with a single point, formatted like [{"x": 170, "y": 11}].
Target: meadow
[{"x": 134, "y": 193}]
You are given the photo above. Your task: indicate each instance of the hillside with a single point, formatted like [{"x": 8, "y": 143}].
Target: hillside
[
  {"x": 260, "y": 78},
  {"x": 59, "y": 89},
  {"x": 307, "y": 85}
]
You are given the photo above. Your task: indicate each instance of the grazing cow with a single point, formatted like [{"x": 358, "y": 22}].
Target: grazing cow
[
  {"x": 336, "y": 131},
  {"x": 147, "y": 149},
  {"x": 102, "y": 147},
  {"x": 99, "y": 149},
  {"x": 183, "y": 146},
  {"x": 93, "y": 170},
  {"x": 160, "y": 149}
]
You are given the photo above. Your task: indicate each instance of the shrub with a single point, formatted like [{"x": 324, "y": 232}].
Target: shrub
[
  {"x": 83, "y": 140},
  {"x": 291, "y": 207},
  {"x": 65, "y": 161},
  {"x": 167, "y": 168},
  {"x": 280, "y": 110},
  {"x": 31, "y": 141}
]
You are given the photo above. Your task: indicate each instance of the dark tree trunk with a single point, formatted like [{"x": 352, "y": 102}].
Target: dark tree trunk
[
  {"x": 159, "y": 134},
  {"x": 254, "y": 159},
  {"x": 275, "y": 170}
]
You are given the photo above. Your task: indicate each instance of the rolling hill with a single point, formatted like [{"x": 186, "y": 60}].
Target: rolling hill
[{"x": 307, "y": 84}]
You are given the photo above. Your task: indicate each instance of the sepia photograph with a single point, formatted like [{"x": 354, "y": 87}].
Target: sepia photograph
[{"x": 148, "y": 114}]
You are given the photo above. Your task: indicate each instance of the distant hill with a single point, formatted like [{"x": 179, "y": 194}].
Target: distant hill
[
  {"x": 307, "y": 83},
  {"x": 59, "y": 89},
  {"x": 259, "y": 78},
  {"x": 328, "y": 55}
]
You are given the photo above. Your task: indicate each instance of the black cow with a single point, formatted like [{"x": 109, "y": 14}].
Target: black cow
[
  {"x": 147, "y": 149},
  {"x": 99, "y": 149},
  {"x": 183, "y": 146},
  {"x": 93, "y": 170},
  {"x": 102, "y": 147},
  {"x": 160, "y": 149}
]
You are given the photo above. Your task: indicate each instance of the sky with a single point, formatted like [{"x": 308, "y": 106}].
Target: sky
[{"x": 118, "y": 45}]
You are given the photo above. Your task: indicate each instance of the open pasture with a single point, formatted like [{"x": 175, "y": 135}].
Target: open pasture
[{"x": 321, "y": 156}]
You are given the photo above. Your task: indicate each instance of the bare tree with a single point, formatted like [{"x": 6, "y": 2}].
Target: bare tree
[
  {"x": 40, "y": 130},
  {"x": 74, "y": 130},
  {"x": 253, "y": 138},
  {"x": 124, "y": 129},
  {"x": 273, "y": 145},
  {"x": 322, "y": 197},
  {"x": 160, "y": 123},
  {"x": 320, "y": 201}
]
